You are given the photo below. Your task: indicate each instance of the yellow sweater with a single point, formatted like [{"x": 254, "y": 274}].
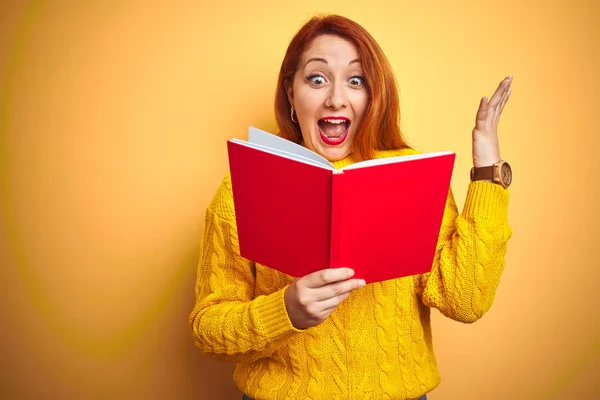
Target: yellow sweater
[{"x": 377, "y": 344}]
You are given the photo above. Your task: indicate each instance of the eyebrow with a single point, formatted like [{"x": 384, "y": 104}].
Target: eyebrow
[{"x": 356, "y": 60}]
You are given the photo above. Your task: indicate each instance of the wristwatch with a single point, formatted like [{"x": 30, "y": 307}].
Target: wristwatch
[{"x": 499, "y": 173}]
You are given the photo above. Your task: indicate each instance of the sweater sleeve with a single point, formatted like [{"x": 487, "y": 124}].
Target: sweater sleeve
[
  {"x": 469, "y": 257},
  {"x": 227, "y": 322}
]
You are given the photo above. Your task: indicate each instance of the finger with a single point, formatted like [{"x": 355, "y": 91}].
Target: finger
[
  {"x": 504, "y": 103},
  {"x": 337, "y": 289},
  {"x": 481, "y": 114},
  {"x": 327, "y": 276},
  {"x": 332, "y": 303},
  {"x": 495, "y": 103},
  {"x": 500, "y": 90},
  {"x": 322, "y": 315},
  {"x": 499, "y": 93},
  {"x": 498, "y": 109},
  {"x": 326, "y": 313},
  {"x": 319, "y": 311}
]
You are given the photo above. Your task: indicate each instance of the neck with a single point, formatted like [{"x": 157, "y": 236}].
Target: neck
[{"x": 349, "y": 159}]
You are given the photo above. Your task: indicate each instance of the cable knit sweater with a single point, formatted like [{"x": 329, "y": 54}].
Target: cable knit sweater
[{"x": 377, "y": 344}]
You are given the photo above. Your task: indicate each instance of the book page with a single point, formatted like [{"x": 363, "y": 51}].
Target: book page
[
  {"x": 390, "y": 160},
  {"x": 281, "y": 153},
  {"x": 269, "y": 140}
]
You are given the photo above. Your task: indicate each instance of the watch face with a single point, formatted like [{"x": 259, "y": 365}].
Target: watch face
[{"x": 506, "y": 174}]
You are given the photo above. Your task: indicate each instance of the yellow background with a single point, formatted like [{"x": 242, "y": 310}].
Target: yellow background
[{"x": 113, "y": 122}]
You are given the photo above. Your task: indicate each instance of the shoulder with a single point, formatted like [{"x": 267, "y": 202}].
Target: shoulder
[
  {"x": 396, "y": 152},
  {"x": 222, "y": 202}
]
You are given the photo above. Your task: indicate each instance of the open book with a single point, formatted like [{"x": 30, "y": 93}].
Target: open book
[{"x": 297, "y": 214}]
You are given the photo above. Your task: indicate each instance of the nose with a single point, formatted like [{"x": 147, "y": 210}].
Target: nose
[{"x": 337, "y": 98}]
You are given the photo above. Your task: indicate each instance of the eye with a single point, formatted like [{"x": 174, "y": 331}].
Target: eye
[
  {"x": 357, "y": 81},
  {"x": 316, "y": 80}
]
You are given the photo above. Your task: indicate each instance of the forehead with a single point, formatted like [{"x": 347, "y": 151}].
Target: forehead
[{"x": 331, "y": 48}]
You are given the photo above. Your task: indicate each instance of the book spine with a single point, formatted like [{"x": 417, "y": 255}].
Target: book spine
[{"x": 337, "y": 194}]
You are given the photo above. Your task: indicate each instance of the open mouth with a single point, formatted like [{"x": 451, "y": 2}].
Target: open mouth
[{"x": 334, "y": 130}]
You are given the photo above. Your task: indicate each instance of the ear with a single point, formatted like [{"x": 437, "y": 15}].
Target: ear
[{"x": 289, "y": 89}]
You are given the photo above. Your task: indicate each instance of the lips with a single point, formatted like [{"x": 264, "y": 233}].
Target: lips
[{"x": 333, "y": 130}]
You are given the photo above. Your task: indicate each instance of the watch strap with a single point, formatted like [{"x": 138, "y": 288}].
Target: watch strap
[{"x": 482, "y": 173}]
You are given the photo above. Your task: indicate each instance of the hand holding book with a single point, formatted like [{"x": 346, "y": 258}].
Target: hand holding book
[{"x": 311, "y": 299}]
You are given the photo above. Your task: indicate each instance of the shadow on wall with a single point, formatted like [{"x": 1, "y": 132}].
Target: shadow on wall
[
  {"x": 213, "y": 379},
  {"x": 210, "y": 379}
]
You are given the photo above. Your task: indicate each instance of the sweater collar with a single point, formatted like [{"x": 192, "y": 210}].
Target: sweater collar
[{"x": 350, "y": 159}]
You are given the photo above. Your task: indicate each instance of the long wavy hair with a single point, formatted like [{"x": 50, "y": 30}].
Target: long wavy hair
[{"x": 380, "y": 126}]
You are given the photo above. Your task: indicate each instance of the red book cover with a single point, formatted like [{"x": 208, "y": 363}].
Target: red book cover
[{"x": 297, "y": 214}]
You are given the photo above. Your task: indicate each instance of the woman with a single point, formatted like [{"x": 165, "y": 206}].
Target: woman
[{"x": 327, "y": 335}]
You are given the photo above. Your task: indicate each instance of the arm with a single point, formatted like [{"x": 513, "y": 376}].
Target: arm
[
  {"x": 227, "y": 322},
  {"x": 469, "y": 257}
]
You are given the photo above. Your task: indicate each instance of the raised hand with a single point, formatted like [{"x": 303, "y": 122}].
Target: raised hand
[
  {"x": 486, "y": 150},
  {"x": 311, "y": 299}
]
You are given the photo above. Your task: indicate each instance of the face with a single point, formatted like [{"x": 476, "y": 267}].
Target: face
[{"x": 330, "y": 96}]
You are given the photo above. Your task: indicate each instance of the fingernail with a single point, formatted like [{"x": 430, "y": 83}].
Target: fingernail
[
  {"x": 363, "y": 282},
  {"x": 350, "y": 272}
]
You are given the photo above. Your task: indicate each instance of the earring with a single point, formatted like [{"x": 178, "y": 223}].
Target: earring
[{"x": 292, "y": 115}]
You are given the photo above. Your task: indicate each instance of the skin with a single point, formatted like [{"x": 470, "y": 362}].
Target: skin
[
  {"x": 486, "y": 150},
  {"x": 329, "y": 82},
  {"x": 333, "y": 86},
  {"x": 311, "y": 299}
]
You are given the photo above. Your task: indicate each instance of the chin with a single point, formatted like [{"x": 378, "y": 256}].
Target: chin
[
  {"x": 335, "y": 154},
  {"x": 330, "y": 153}
]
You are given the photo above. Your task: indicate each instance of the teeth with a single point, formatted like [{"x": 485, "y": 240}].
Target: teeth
[{"x": 335, "y": 121}]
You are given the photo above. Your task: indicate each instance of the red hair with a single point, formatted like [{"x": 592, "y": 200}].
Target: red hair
[{"x": 380, "y": 126}]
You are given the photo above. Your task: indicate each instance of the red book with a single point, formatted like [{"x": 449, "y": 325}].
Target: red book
[{"x": 297, "y": 214}]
